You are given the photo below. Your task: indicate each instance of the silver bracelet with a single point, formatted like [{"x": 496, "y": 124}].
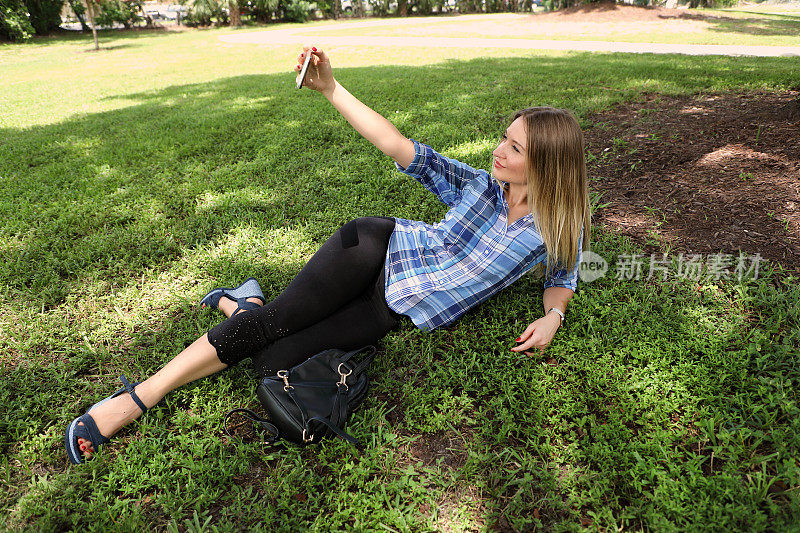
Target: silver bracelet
[{"x": 557, "y": 310}]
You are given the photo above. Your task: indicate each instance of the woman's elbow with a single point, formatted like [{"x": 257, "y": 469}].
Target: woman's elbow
[{"x": 403, "y": 152}]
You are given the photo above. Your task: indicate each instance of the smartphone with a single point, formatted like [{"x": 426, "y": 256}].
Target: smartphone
[{"x": 301, "y": 78}]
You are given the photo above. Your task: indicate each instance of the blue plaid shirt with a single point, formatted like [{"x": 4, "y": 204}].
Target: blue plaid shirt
[{"x": 435, "y": 273}]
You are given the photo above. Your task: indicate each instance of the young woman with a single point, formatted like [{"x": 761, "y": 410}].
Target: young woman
[{"x": 374, "y": 271}]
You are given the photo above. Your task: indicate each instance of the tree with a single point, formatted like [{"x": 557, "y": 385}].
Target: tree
[
  {"x": 44, "y": 15},
  {"x": 90, "y": 5},
  {"x": 79, "y": 11},
  {"x": 236, "y": 16},
  {"x": 14, "y": 22},
  {"x": 125, "y": 12}
]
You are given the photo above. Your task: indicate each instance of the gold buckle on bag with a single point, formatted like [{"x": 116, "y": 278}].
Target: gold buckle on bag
[
  {"x": 284, "y": 375},
  {"x": 343, "y": 381}
]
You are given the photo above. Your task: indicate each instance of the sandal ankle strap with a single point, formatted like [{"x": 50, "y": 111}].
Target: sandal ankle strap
[{"x": 132, "y": 392}]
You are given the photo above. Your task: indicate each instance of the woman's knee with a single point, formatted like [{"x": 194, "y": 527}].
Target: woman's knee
[{"x": 366, "y": 228}]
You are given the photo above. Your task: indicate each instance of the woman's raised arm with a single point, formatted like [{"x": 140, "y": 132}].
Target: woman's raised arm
[{"x": 372, "y": 126}]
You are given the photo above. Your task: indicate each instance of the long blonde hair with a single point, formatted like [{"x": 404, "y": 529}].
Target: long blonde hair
[{"x": 558, "y": 188}]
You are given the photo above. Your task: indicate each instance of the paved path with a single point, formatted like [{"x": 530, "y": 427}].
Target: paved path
[{"x": 304, "y": 35}]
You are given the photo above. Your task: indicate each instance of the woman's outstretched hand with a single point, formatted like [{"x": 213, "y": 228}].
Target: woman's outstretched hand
[
  {"x": 319, "y": 76},
  {"x": 538, "y": 334}
]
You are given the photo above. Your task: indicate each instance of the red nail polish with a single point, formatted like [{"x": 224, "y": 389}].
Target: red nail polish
[{"x": 519, "y": 339}]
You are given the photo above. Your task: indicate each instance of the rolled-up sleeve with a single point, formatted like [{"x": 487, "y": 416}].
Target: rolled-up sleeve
[
  {"x": 441, "y": 175},
  {"x": 561, "y": 277}
]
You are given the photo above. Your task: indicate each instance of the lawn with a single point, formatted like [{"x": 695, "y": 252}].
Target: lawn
[
  {"x": 135, "y": 179},
  {"x": 621, "y": 23}
]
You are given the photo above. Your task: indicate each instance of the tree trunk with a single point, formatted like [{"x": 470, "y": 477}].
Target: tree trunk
[
  {"x": 81, "y": 19},
  {"x": 337, "y": 9},
  {"x": 90, "y": 12},
  {"x": 148, "y": 20},
  {"x": 402, "y": 8},
  {"x": 236, "y": 16}
]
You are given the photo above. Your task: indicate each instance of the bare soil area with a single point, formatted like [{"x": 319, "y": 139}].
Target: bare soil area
[
  {"x": 702, "y": 174},
  {"x": 612, "y": 12}
]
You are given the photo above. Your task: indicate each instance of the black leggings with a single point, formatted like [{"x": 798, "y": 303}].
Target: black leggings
[{"x": 336, "y": 301}]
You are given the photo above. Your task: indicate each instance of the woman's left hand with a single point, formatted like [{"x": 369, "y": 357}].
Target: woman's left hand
[{"x": 538, "y": 334}]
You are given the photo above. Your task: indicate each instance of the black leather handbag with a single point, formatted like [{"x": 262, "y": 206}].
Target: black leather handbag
[{"x": 313, "y": 399}]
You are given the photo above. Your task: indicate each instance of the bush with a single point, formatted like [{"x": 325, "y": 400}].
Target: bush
[
  {"x": 262, "y": 10},
  {"x": 44, "y": 15},
  {"x": 111, "y": 11},
  {"x": 202, "y": 11},
  {"x": 299, "y": 10},
  {"x": 380, "y": 8},
  {"x": 20, "y": 19},
  {"x": 14, "y": 22}
]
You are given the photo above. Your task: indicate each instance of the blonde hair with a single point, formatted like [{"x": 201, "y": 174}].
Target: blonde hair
[{"x": 558, "y": 188}]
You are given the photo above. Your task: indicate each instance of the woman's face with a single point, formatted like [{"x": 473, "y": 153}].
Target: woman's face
[{"x": 510, "y": 154}]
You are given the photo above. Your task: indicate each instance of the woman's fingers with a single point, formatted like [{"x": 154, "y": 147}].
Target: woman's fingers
[
  {"x": 533, "y": 343},
  {"x": 319, "y": 77},
  {"x": 531, "y": 338},
  {"x": 530, "y": 343},
  {"x": 526, "y": 333},
  {"x": 319, "y": 53}
]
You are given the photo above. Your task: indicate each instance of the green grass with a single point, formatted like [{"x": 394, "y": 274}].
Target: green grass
[
  {"x": 134, "y": 179},
  {"x": 700, "y": 26}
]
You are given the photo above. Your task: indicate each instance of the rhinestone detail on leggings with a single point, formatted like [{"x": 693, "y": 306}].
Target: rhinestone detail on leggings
[{"x": 241, "y": 336}]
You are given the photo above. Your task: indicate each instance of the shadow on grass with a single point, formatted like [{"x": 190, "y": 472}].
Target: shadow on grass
[
  {"x": 775, "y": 25},
  {"x": 784, "y": 16},
  {"x": 109, "y": 199},
  {"x": 766, "y": 24},
  {"x": 114, "y": 192},
  {"x": 62, "y": 36}
]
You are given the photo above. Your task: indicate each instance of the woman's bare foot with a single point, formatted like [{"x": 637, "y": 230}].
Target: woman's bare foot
[
  {"x": 112, "y": 416},
  {"x": 118, "y": 412},
  {"x": 197, "y": 361}
]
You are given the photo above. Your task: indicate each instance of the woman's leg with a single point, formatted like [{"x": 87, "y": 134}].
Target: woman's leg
[
  {"x": 197, "y": 361},
  {"x": 365, "y": 320},
  {"x": 341, "y": 270}
]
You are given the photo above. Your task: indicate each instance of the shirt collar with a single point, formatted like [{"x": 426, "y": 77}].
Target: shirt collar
[{"x": 526, "y": 220}]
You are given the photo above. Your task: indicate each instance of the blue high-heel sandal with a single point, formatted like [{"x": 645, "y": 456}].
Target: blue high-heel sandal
[
  {"x": 249, "y": 289},
  {"x": 89, "y": 430}
]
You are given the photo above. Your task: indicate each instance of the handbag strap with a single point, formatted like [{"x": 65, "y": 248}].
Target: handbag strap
[
  {"x": 336, "y": 429},
  {"x": 363, "y": 364},
  {"x": 251, "y": 415},
  {"x": 338, "y": 413},
  {"x": 299, "y": 404}
]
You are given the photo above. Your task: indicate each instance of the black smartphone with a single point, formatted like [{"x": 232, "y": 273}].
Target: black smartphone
[{"x": 301, "y": 78}]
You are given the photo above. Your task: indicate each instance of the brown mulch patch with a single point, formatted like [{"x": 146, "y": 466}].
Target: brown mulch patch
[
  {"x": 609, "y": 12},
  {"x": 701, "y": 174}
]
